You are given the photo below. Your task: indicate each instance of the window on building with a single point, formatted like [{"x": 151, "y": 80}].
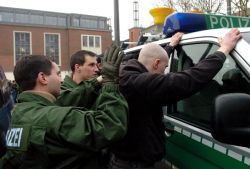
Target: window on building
[
  {"x": 102, "y": 24},
  {"x": 76, "y": 22},
  {"x": 97, "y": 41},
  {"x": 91, "y": 42},
  {"x": 22, "y": 18},
  {"x": 7, "y": 17},
  {"x": 22, "y": 44},
  {"x": 52, "y": 46},
  {"x": 51, "y": 20},
  {"x": 36, "y": 19},
  {"x": 62, "y": 21},
  {"x": 93, "y": 23},
  {"x": 85, "y": 41},
  {"x": 87, "y": 23}
]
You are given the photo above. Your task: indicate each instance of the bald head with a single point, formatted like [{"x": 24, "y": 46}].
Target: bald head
[
  {"x": 152, "y": 56},
  {"x": 150, "y": 52}
]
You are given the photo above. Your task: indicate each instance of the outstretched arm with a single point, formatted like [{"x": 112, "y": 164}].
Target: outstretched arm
[{"x": 174, "y": 41}]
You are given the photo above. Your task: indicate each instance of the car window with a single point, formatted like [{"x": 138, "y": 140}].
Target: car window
[
  {"x": 246, "y": 36},
  {"x": 197, "y": 108}
]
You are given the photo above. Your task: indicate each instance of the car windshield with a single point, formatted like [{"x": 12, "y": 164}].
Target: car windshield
[{"x": 246, "y": 36}]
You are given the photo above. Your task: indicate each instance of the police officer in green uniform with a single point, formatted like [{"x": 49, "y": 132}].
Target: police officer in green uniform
[
  {"x": 45, "y": 135},
  {"x": 82, "y": 87}
]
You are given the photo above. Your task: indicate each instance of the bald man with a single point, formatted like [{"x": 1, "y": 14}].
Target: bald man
[
  {"x": 147, "y": 89},
  {"x": 155, "y": 62}
]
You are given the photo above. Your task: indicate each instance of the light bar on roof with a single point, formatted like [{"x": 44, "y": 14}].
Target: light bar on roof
[{"x": 192, "y": 22}]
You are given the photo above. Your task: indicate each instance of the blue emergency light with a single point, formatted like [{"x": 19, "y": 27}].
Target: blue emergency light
[{"x": 192, "y": 22}]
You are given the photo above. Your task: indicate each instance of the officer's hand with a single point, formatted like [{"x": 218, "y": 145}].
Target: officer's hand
[
  {"x": 229, "y": 41},
  {"x": 111, "y": 64}
]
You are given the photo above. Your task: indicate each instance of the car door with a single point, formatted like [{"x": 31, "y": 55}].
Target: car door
[{"x": 191, "y": 145}]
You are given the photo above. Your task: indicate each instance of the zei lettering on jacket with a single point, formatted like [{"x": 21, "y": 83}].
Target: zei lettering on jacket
[{"x": 13, "y": 137}]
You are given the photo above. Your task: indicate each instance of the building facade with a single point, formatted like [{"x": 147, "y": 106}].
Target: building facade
[{"x": 58, "y": 35}]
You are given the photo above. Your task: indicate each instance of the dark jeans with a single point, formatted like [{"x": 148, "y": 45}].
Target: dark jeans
[{"x": 116, "y": 163}]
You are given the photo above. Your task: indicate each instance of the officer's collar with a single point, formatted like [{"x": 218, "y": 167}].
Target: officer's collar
[{"x": 46, "y": 95}]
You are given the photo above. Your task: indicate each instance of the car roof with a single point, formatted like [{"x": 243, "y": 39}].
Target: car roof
[
  {"x": 205, "y": 33},
  {"x": 213, "y": 32}
]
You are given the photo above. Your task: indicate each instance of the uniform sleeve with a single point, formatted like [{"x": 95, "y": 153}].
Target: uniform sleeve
[
  {"x": 81, "y": 95},
  {"x": 98, "y": 128}
]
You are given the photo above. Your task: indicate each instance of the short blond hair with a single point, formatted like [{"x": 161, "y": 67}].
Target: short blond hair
[{"x": 150, "y": 52}]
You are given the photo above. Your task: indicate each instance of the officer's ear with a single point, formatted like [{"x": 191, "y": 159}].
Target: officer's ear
[
  {"x": 42, "y": 78},
  {"x": 77, "y": 67}
]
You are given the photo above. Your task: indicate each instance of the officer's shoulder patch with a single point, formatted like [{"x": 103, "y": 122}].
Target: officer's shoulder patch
[{"x": 17, "y": 137}]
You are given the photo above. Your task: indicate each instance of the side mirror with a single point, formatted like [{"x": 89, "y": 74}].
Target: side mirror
[{"x": 231, "y": 119}]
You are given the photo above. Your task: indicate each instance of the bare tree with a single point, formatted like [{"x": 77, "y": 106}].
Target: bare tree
[
  {"x": 170, "y": 3},
  {"x": 179, "y": 5},
  {"x": 166, "y": 3},
  {"x": 240, "y": 7},
  {"x": 210, "y": 6},
  {"x": 184, "y": 5}
]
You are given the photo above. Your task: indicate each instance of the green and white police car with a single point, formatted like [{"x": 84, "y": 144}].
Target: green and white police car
[{"x": 198, "y": 125}]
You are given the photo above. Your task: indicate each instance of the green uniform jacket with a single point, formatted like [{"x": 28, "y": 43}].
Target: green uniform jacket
[
  {"x": 44, "y": 135},
  {"x": 83, "y": 94}
]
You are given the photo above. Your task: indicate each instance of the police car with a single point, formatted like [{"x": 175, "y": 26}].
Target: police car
[{"x": 194, "y": 121}]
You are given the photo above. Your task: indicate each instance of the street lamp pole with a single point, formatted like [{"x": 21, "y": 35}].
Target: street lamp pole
[
  {"x": 116, "y": 22},
  {"x": 229, "y": 7}
]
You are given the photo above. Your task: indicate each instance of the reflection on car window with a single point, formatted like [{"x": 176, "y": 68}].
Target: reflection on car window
[
  {"x": 246, "y": 36},
  {"x": 197, "y": 108}
]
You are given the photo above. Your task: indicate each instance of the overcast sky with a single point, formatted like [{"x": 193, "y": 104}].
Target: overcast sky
[{"x": 93, "y": 7}]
